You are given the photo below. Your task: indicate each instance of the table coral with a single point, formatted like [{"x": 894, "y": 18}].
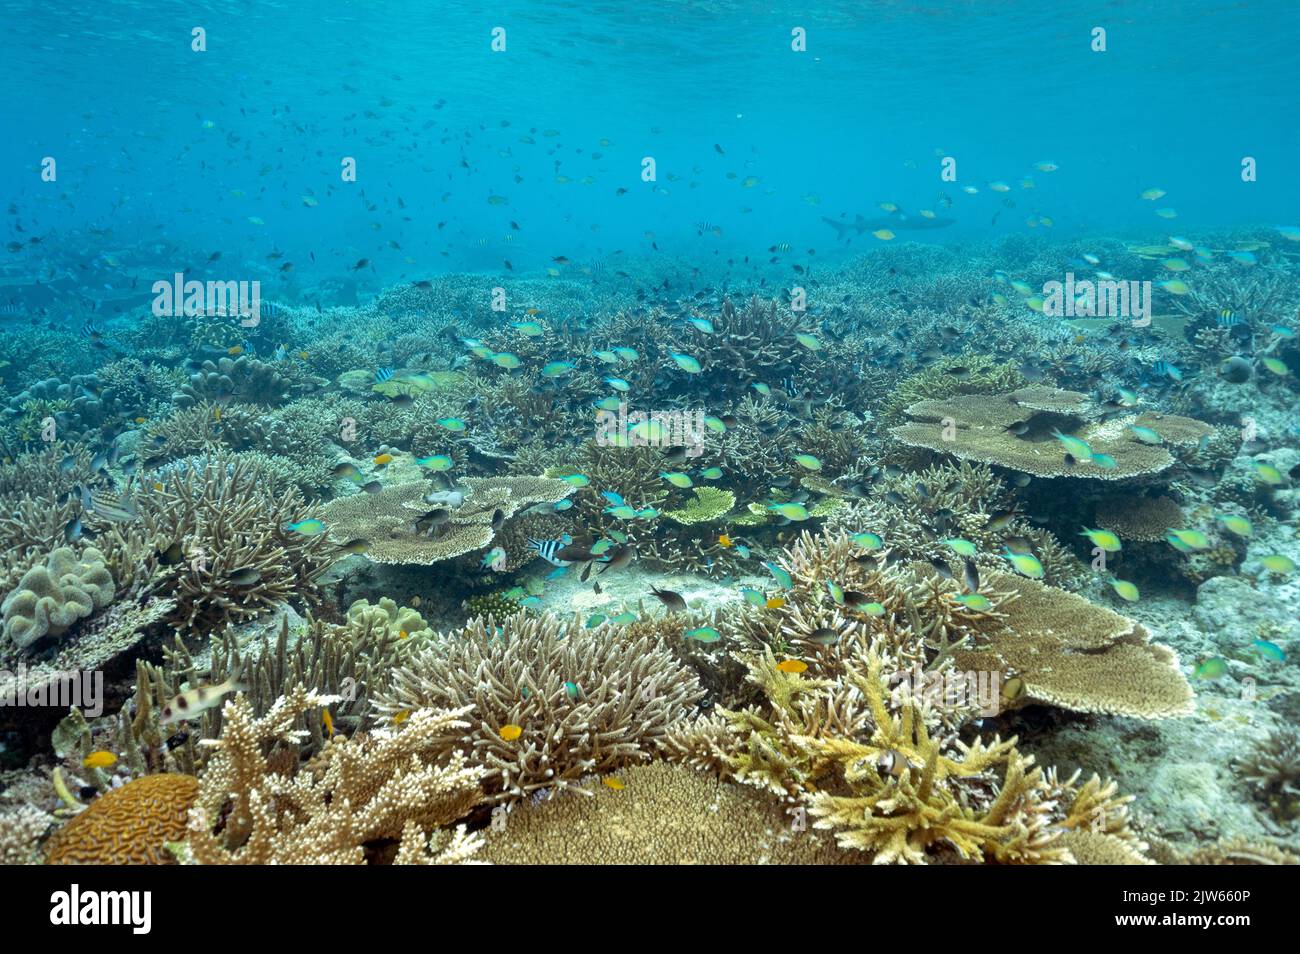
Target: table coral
[
  {"x": 1076, "y": 655},
  {"x": 389, "y": 519},
  {"x": 710, "y": 505},
  {"x": 979, "y": 428}
]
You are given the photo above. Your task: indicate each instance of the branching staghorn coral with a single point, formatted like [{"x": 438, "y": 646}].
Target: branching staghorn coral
[
  {"x": 224, "y": 520},
  {"x": 944, "y": 797},
  {"x": 1271, "y": 771},
  {"x": 256, "y": 805},
  {"x": 915, "y": 511},
  {"x": 346, "y": 660},
  {"x": 583, "y": 700},
  {"x": 868, "y": 766}
]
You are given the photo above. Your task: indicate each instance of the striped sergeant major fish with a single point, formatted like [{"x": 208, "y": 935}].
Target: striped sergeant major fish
[
  {"x": 547, "y": 549},
  {"x": 1163, "y": 367},
  {"x": 383, "y": 374}
]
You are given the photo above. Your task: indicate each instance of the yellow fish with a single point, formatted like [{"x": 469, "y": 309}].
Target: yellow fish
[
  {"x": 328, "y": 721},
  {"x": 794, "y": 666},
  {"x": 401, "y": 717},
  {"x": 382, "y": 460},
  {"x": 614, "y": 783},
  {"x": 510, "y": 732},
  {"x": 883, "y": 234},
  {"x": 775, "y": 602},
  {"x": 235, "y": 350},
  {"x": 99, "y": 759},
  {"x": 724, "y": 540}
]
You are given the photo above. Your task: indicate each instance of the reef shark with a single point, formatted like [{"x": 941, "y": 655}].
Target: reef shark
[{"x": 898, "y": 222}]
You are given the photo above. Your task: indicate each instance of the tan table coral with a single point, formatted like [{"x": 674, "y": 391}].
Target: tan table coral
[
  {"x": 388, "y": 519},
  {"x": 979, "y": 427},
  {"x": 1076, "y": 655}
]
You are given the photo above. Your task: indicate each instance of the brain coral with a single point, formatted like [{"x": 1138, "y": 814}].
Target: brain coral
[
  {"x": 53, "y": 596},
  {"x": 128, "y": 825},
  {"x": 661, "y": 814}
]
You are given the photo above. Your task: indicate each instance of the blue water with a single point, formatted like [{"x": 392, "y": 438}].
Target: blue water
[{"x": 155, "y": 141}]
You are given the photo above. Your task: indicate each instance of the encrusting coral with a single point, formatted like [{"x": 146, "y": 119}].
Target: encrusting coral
[
  {"x": 658, "y": 814},
  {"x": 582, "y": 700}
]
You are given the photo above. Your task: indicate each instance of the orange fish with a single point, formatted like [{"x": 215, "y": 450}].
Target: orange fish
[
  {"x": 383, "y": 460},
  {"x": 510, "y": 732},
  {"x": 402, "y": 634},
  {"x": 99, "y": 759},
  {"x": 794, "y": 666},
  {"x": 775, "y": 602}
]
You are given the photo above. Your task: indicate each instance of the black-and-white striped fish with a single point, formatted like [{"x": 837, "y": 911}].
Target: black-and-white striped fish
[{"x": 547, "y": 549}]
